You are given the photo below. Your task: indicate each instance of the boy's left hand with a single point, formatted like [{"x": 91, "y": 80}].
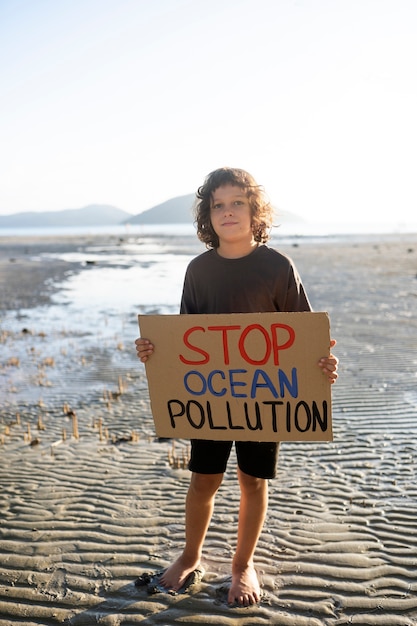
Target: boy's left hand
[{"x": 329, "y": 365}]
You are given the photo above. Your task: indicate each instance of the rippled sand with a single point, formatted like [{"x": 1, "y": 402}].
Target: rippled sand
[{"x": 82, "y": 517}]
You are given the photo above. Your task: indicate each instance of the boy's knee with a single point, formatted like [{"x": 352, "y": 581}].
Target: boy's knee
[
  {"x": 251, "y": 483},
  {"x": 206, "y": 483}
]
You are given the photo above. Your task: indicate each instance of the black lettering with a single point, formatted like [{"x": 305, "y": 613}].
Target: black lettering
[
  {"x": 210, "y": 419},
  {"x": 258, "y": 424},
  {"x": 318, "y": 418},
  {"x": 307, "y": 411},
  {"x": 273, "y": 404},
  {"x": 288, "y": 417},
  {"x": 201, "y": 410},
  {"x": 173, "y": 415}
]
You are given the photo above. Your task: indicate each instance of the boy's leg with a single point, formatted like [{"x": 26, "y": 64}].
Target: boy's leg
[
  {"x": 245, "y": 588},
  {"x": 198, "y": 511}
]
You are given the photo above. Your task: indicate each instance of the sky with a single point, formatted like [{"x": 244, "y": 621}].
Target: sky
[{"x": 132, "y": 102}]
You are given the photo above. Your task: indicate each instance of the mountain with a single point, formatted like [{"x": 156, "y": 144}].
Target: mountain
[
  {"x": 283, "y": 216},
  {"x": 174, "y": 211},
  {"x": 91, "y": 215},
  {"x": 179, "y": 211}
]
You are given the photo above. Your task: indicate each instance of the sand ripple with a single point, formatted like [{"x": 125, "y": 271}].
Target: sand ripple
[
  {"x": 338, "y": 547},
  {"x": 81, "y": 518}
]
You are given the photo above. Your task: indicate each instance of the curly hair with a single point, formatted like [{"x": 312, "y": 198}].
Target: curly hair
[{"x": 261, "y": 209}]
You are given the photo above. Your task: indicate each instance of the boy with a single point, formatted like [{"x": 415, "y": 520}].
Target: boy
[{"x": 237, "y": 274}]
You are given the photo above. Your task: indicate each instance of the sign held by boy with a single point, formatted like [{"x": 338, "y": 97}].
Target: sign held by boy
[{"x": 244, "y": 377}]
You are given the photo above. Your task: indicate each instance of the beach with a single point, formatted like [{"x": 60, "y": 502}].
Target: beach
[{"x": 90, "y": 499}]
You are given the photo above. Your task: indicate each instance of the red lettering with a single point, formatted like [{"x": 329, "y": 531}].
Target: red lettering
[
  {"x": 276, "y": 346},
  {"x": 268, "y": 346},
  {"x": 189, "y": 345},
  {"x": 224, "y": 330},
  {"x": 272, "y": 341}
]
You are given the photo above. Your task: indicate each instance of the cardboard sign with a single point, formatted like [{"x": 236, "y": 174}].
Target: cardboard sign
[{"x": 247, "y": 377}]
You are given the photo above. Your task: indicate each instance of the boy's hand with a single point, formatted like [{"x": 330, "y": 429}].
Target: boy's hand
[
  {"x": 329, "y": 365},
  {"x": 144, "y": 349}
]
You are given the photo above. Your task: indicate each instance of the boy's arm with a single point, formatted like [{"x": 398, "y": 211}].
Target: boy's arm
[
  {"x": 329, "y": 365},
  {"x": 144, "y": 349}
]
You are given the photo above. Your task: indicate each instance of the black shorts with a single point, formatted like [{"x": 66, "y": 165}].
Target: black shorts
[{"x": 255, "y": 458}]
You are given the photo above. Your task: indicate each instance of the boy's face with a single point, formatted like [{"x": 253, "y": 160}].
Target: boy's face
[{"x": 230, "y": 215}]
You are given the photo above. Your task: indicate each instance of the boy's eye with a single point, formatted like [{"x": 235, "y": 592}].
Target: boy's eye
[{"x": 219, "y": 205}]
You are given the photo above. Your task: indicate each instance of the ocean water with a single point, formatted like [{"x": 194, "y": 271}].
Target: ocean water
[{"x": 288, "y": 229}]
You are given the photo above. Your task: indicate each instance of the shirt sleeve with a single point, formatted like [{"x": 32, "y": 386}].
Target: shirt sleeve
[
  {"x": 297, "y": 300},
  {"x": 188, "y": 302}
]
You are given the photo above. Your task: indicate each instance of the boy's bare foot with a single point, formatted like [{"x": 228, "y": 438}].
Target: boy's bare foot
[
  {"x": 174, "y": 577},
  {"x": 245, "y": 589}
]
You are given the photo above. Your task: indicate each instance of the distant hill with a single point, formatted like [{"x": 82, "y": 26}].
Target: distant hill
[
  {"x": 177, "y": 210},
  {"x": 91, "y": 215},
  {"x": 174, "y": 211},
  {"x": 287, "y": 217}
]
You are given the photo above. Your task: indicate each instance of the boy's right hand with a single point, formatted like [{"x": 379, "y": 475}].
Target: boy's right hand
[{"x": 144, "y": 349}]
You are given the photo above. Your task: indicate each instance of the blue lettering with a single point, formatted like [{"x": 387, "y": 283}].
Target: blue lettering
[
  {"x": 267, "y": 383},
  {"x": 222, "y": 391},
  {"x": 284, "y": 382},
  {"x": 236, "y": 383},
  {"x": 202, "y": 380}
]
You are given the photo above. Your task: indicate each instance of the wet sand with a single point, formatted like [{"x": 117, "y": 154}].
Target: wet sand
[{"x": 85, "y": 511}]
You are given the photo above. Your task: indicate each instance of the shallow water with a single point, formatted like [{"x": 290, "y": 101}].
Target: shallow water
[{"x": 93, "y": 311}]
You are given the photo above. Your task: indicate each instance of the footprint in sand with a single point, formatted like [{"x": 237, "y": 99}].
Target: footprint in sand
[{"x": 57, "y": 585}]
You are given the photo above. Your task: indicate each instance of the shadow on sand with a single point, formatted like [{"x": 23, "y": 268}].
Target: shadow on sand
[{"x": 132, "y": 602}]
